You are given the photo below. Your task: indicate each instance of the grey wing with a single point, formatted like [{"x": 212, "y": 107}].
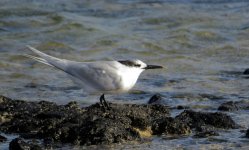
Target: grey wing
[
  {"x": 93, "y": 76},
  {"x": 99, "y": 76}
]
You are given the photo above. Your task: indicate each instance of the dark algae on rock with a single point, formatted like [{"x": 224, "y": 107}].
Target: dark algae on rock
[
  {"x": 228, "y": 106},
  {"x": 20, "y": 144},
  {"x": 72, "y": 124},
  {"x": 198, "y": 120},
  {"x": 247, "y": 133},
  {"x": 95, "y": 125},
  {"x": 2, "y": 138},
  {"x": 234, "y": 106},
  {"x": 169, "y": 125}
]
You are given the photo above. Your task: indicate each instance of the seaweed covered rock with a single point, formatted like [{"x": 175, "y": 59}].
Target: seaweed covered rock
[
  {"x": 95, "y": 125},
  {"x": 199, "y": 119},
  {"x": 20, "y": 144},
  {"x": 234, "y": 106},
  {"x": 72, "y": 124},
  {"x": 2, "y": 138},
  {"x": 171, "y": 126},
  {"x": 204, "y": 123},
  {"x": 155, "y": 99},
  {"x": 247, "y": 133},
  {"x": 120, "y": 123},
  {"x": 246, "y": 71},
  {"x": 228, "y": 106},
  {"x": 205, "y": 134}
]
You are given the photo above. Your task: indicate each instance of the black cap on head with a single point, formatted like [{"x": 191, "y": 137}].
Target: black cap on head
[{"x": 153, "y": 67}]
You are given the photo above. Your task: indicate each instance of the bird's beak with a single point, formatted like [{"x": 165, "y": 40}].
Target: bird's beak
[{"x": 153, "y": 67}]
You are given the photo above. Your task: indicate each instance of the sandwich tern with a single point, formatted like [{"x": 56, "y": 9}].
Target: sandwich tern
[{"x": 99, "y": 76}]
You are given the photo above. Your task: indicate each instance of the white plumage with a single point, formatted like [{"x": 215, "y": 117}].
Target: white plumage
[{"x": 99, "y": 76}]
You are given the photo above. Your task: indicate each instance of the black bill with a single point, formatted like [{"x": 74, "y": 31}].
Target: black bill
[{"x": 153, "y": 67}]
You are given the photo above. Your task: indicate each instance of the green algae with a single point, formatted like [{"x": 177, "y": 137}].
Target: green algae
[
  {"x": 207, "y": 35},
  {"x": 106, "y": 42},
  {"x": 153, "y": 46}
]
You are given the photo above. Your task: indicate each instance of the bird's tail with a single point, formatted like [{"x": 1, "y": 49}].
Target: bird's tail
[
  {"x": 47, "y": 59},
  {"x": 41, "y": 60}
]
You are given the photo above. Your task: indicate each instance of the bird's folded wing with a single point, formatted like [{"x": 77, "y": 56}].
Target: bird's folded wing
[{"x": 100, "y": 76}]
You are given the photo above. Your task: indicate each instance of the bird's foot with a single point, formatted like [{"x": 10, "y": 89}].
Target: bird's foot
[{"x": 103, "y": 102}]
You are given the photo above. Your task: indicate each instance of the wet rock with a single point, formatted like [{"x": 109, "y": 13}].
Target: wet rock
[
  {"x": 94, "y": 125},
  {"x": 204, "y": 123},
  {"x": 155, "y": 99},
  {"x": 204, "y": 128},
  {"x": 2, "y": 139},
  {"x": 234, "y": 106},
  {"x": 3, "y": 99},
  {"x": 170, "y": 126},
  {"x": 197, "y": 119},
  {"x": 205, "y": 134},
  {"x": 246, "y": 72},
  {"x": 228, "y": 106},
  {"x": 85, "y": 126},
  {"x": 247, "y": 133},
  {"x": 5, "y": 117},
  {"x": 120, "y": 123},
  {"x": 181, "y": 107},
  {"x": 20, "y": 144}
]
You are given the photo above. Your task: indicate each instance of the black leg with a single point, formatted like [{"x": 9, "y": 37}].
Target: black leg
[
  {"x": 103, "y": 102},
  {"x": 101, "y": 99}
]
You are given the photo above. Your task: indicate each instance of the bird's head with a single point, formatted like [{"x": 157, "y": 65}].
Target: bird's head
[
  {"x": 139, "y": 64},
  {"x": 132, "y": 69}
]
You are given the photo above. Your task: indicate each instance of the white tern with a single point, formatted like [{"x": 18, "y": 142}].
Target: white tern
[{"x": 99, "y": 76}]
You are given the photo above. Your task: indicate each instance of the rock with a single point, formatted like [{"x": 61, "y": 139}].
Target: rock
[
  {"x": 228, "y": 106},
  {"x": 2, "y": 139},
  {"x": 155, "y": 99},
  {"x": 246, "y": 72},
  {"x": 234, "y": 106},
  {"x": 170, "y": 126},
  {"x": 95, "y": 125},
  {"x": 72, "y": 104},
  {"x": 247, "y": 133},
  {"x": 181, "y": 107},
  {"x": 197, "y": 119},
  {"x": 204, "y": 128},
  {"x": 119, "y": 124},
  {"x": 20, "y": 144},
  {"x": 85, "y": 126},
  {"x": 206, "y": 134},
  {"x": 5, "y": 117},
  {"x": 4, "y": 99}
]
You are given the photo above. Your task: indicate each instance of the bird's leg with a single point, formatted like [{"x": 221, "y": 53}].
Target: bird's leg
[
  {"x": 103, "y": 102},
  {"x": 101, "y": 99}
]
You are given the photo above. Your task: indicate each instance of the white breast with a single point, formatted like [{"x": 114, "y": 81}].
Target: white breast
[{"x": 129, "y": 77}]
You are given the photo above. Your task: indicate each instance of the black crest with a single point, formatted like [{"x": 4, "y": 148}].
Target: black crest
[{"x": 130, "y": 63}]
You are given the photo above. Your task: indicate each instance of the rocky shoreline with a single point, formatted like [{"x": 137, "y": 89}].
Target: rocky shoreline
[{"x": 94, "y": 125}]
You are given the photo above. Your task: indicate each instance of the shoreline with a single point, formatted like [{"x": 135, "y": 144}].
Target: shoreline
[{"x": 93, "y": 125}]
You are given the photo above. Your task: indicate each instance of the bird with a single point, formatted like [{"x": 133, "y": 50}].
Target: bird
[{"x": 115, "y": 76}]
